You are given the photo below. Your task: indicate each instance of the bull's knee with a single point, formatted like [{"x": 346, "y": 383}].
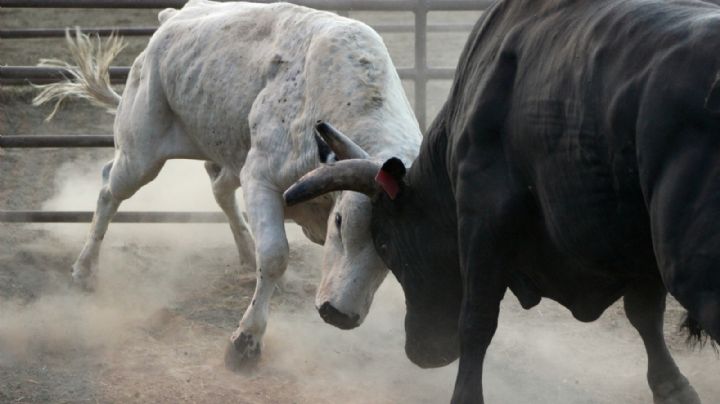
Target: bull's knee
[
  {"x": 107, "y": 203},
  {"x": 105, "y": 195},
  {"x": 272, "y": 259}
]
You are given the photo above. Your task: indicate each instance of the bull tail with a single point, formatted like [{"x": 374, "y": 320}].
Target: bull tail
[
  {"x": 696, "y": 334},
  {"x": 89, "y": 78}
]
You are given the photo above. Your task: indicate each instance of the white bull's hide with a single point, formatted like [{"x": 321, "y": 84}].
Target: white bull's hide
[{"x": 241, "y": 85}]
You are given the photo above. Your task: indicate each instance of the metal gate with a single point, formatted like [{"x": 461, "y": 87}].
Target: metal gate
[{"x": 420, "y": 74}]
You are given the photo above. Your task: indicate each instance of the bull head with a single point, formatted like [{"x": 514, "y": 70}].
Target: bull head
[
  {"x": 352, "y": 269},
  {"x": 431, "y": 322}
]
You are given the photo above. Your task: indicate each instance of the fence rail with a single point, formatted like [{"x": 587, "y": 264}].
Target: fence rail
[
  {"x": 35, "y": 216},
  {"x": 11, "y": 75},
  {"x": 37, "y": 141},
  {"x": 33, "y": 33},
  {"x": 339, "y": 5}
]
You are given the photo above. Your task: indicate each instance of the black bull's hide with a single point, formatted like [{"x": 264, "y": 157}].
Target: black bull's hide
[
  {"x": 579, "y": 154},
  {"x": 587, "y": 133}
]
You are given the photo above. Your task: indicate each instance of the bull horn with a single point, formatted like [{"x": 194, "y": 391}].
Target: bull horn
[
  {"x": 352, "y": 175},
  {"x": 343, "y": 147}
]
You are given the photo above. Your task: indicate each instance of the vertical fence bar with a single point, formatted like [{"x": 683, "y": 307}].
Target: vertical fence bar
[{"x": 421, "y": 67}]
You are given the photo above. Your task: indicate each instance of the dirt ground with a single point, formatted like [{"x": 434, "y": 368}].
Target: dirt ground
[{"x": 170, "y": 295}]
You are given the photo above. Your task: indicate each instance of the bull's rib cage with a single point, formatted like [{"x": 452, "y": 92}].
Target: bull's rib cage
[{"x": 421, "y": 73}]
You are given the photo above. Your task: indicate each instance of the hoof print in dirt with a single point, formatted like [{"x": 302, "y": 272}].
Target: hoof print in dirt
[{"x": 243, "y": 354}]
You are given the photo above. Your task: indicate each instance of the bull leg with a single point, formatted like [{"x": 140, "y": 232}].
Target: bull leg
[
  {"x": 224, "y": 185},
  {"x": 491, "y": 215},
  {"x": 682, "y": 187},
  {"x": 483, "y": 288},
  {"x": 122, "y": 177},
  {"x": 645, "y": 307},
  {"x": 266, "y": 215},
  {"x": 477, "y": 325},
  {"x": 488, "y": 221}
]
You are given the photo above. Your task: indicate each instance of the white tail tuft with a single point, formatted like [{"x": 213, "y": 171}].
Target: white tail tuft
[{"x": 90, "y": 79}]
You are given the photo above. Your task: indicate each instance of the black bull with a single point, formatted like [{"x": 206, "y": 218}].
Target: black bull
[{"x": 577, "y": 158}]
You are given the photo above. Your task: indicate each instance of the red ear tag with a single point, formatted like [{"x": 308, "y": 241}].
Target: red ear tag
[{"x": 388, "y": 183}]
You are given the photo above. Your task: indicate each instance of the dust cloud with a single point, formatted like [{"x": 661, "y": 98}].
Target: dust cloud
[
  {"x": 56, "y": 317},
  {"x": 170, "y": 295}
]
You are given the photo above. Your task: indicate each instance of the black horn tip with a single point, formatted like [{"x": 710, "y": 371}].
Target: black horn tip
[
  {"x": 321, "y": 125},
  {"x": 326, "y": 130},
  {"x": 298, "y": 193},
  {"x": 293, "y": 195},
  {"x": 395, "y": 167}
]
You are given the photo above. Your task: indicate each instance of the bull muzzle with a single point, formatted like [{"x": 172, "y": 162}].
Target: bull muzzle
[{"x": 335, "y": 317}]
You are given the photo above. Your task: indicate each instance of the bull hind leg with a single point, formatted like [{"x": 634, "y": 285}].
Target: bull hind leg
[
  {"x": 645, "y": 308},
  {"x": 266, "y": 214},
  {"x": 224, "y": 185},
  {"x": 122, "y": 177}
]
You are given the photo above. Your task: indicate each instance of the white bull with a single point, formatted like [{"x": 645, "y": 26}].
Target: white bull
[{"x": 241, "y": 86}]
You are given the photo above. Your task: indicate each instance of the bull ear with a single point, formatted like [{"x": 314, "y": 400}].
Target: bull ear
[
  {"x": 390, "y": 176},
  {"x": 712, "y": 101},
  {"x": 341, "y": 145}
]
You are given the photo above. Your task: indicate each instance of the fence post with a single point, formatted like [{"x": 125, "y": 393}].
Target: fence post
[{"x": 421, "y": 67}]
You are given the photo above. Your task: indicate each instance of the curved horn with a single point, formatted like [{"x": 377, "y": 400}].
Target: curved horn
[
  {"x": 343, "y": 147},
  {"x": 352, "y": 175}
]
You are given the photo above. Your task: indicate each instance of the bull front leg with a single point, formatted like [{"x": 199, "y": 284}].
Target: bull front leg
[
  {"x": 491, "y": 210},
  {"x": 478, "y": 322},
  {"x": 488, "y": 222},
  {"x": 265, "y": 208},
  {"x": 645, "y": 308},
  {"x": 484, "y": 286}
]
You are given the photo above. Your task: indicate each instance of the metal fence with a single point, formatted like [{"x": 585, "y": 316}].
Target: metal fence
[{"x": 420, "y": 74}]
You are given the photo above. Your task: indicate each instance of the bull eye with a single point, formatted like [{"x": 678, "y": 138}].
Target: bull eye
[{"x": 338, "y": 220}]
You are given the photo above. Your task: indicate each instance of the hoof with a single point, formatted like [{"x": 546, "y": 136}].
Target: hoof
[
  {"x": 243, "y": 354},
  {"x": 84, "y": 283},
  {"x": 676, "y": 392}
]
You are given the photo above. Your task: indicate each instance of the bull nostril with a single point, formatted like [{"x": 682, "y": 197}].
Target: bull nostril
[{"x": 333, "y": 316}]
